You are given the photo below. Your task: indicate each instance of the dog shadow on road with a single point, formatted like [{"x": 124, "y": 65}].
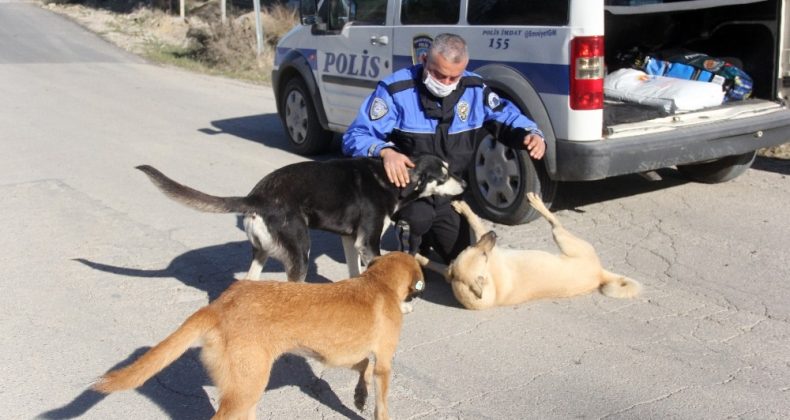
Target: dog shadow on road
[
  {"x": 212, "y": 268},
  {"x": 178, "y": 389},
  {"x": 266, "y": 129},
  {"x": 260, "y": 128},
  {"x": 437, "y": 289}
]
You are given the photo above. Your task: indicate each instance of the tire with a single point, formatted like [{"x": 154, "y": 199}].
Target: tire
[
  {"x": 500, "y": 179},
  {"x": 300, "y": 120},
  {"x": 719, "y": 170}
]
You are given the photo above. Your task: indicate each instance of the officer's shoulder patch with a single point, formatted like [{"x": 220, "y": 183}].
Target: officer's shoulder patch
[
  {"x": 493, "y": 100},
  {"x": 378, "y": 109}
]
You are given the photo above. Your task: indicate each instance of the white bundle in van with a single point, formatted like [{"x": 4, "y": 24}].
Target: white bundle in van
[{"x": 670, "y": 94}]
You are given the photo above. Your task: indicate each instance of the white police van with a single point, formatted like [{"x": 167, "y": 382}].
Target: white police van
[{"x": 549, "y": 57}]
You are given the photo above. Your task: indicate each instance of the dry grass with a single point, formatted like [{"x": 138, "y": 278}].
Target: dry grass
[
  {"x": 777, "y": 152},
  {"x": 278, "y": 21},
  {"x": 199, "y": 43},
  {"x": 231, "y": 47}
]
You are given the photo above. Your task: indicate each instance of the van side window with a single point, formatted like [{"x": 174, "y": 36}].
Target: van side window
[
  {"x": 370, "y": 12},
  {"x": 334, "y": 14},
  {"x": 430, "y": 12},
  {"x": 518, "y": 12}
]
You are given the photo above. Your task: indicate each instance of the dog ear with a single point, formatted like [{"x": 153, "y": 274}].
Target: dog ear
[
  {"x": 477, "y": 286},
  {"x": 416, "y": 179},
  {"x": 487, "y": 241}
]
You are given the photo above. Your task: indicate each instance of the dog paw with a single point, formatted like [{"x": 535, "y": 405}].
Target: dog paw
[
  {"x": 535, "y": 201},
  {"x": 460, "y": 206},
  {"x": 360, "y": 397},
  {"x": 421, "y": 260},
  {"x": 406, "y": 308}
]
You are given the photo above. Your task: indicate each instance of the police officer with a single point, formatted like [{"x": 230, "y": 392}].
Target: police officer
[{"x": 436, "y": 107}]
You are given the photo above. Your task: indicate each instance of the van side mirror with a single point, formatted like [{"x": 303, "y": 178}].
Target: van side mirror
[
  {"x": 309, "y": 20},
  {"x": 308, "y": 12}
]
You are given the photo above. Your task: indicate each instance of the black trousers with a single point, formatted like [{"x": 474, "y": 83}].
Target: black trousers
[{"x": 431, "y": 223}]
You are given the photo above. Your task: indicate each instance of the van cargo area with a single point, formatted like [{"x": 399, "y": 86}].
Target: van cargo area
[{"x": 744, "y": 33}]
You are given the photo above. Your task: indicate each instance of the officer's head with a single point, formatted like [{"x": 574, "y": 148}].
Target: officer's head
[{"x": 445, "y": 63}]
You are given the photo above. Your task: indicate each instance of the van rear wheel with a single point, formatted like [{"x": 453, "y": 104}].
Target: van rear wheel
[
  {"x": 300, "y": 120},
  {"x": 501, "y": 178},
  {"x": 719, "y": 170}
]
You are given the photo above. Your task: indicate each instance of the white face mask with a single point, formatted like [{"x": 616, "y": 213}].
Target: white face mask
[{"x": 437, "y": 88}]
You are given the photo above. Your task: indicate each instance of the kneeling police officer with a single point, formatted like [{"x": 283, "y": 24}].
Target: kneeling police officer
[{"x": 438, "y": 108}]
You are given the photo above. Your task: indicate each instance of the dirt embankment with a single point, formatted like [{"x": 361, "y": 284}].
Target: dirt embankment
[{"x": 200, "y": 41}]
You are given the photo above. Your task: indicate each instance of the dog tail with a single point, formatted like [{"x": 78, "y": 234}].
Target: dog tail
[
  {"x": 160, "y": 356},
  {"x": 619, "y": 286},
  {"x": 194, "y": 198}
]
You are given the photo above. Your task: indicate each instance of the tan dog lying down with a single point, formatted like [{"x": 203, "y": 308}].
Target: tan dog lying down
[
  {"x": 484, "y": 276},
  {"x": 253, "y": 322}
]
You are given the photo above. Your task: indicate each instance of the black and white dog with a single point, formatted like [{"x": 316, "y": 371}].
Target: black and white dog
[{"x": 350, "y": 197}]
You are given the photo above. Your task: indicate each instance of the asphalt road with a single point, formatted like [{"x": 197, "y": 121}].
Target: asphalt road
[{"x": 97, "y": 265}]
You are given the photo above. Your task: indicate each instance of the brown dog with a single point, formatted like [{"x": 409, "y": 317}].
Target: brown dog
[
  {"x": 252, "y": 323},
  {"x": 484, "y": 276}
]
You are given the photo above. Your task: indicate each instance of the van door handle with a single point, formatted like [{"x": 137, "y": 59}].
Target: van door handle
[{"x": 379, "y": 40}]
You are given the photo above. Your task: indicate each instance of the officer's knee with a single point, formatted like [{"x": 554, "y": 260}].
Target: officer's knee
[{"x": 417, "y": 226}]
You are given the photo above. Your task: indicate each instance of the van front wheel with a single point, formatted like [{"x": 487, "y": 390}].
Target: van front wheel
[
  {"x": 300, "y": 120},
  {"x": 719, "y": 170},
  {"x": 500, "y": 179}
]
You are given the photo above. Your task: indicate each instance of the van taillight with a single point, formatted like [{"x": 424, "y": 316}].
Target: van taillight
[{"x": 587, "y": 72}]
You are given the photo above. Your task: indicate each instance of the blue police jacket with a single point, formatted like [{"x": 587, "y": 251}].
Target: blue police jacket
[{"x": 403, "y": 114}]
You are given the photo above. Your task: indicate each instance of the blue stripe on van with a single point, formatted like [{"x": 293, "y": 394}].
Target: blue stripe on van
[
  {"x": 547, "y": 78},
  {"x": 308, "y": 53}
]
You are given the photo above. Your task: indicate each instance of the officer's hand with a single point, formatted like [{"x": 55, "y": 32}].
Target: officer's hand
[
  {"x": 535, "y": 145},
  {"x": 396, "y": 165}
]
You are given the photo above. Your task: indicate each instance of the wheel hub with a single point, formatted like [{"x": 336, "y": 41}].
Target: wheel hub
[
  {"x": 497, "y": 172},
  {"x": 496, "y": 175},
  {"x": 296, "y": 116}
]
